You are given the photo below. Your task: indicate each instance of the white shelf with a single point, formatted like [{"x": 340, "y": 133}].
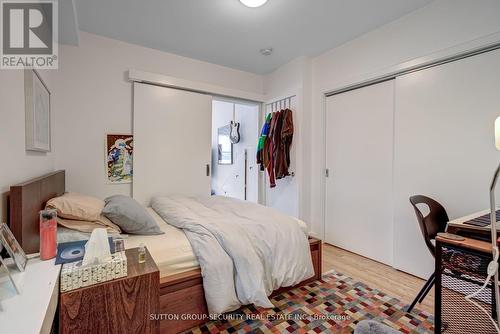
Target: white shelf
[{"x": 33, "y": 309}]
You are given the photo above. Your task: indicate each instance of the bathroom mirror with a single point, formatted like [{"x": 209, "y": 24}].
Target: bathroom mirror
[{"x": 224, "y": 146}]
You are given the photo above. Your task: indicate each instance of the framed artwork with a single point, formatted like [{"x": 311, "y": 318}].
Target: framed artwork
[
  {"x": 37, "y": 110},
  {"x": 10, "y": 243},
  {"x": 119, "y": 156}
]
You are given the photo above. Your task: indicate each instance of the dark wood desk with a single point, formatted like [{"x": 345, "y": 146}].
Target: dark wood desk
[
  {"x": 468, "y": 243},
  {"x": 461, "y": 268}
]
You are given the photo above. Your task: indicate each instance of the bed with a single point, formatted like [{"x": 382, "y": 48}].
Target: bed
[{"x": 181, "y": 283}]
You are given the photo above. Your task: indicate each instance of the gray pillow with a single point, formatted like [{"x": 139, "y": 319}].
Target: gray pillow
[{"x": 132, "y": 217}]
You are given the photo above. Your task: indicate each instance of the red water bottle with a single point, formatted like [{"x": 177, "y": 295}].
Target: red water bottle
[{"x": 48, "y": 234}]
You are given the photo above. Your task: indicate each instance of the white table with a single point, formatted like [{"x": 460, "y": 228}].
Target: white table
[{"x": 33, "y": 309}]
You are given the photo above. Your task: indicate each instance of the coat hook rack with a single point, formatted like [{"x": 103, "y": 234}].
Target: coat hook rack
[{"x": 283, "y": 101}]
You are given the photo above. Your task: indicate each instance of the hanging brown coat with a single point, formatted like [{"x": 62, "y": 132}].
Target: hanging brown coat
[{"x": 282, "y": 140}]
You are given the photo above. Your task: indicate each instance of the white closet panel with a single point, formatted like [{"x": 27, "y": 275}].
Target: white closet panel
[
  {"x": 444, "y": 146},
  {"x": 172, "y": 142},
  {"x": 359, "y": 156}
]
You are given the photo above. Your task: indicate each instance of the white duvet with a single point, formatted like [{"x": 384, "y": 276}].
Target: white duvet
[{"x": 245, "y": 250}]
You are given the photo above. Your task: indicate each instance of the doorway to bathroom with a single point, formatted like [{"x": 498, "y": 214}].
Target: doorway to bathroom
[{"x": 235, "y": 131}]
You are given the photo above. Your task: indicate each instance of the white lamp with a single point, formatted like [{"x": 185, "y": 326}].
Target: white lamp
[
  {"x": 253, "y": 3},
  {"x": 493, "y": 220}
]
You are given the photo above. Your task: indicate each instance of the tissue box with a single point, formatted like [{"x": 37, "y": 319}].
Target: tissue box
[{"x": 74, "y": 275}]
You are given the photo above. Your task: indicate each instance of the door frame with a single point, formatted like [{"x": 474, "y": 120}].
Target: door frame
[{"x": 260, "y": 118}]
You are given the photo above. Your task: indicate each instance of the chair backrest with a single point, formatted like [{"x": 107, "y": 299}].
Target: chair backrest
[{"x": 433, "y": 223}]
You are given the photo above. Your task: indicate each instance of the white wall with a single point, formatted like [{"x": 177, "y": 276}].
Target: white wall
[
  {"x": 436, "y": 27},
  {"x": 95, "y": 98},
  {"x": 229, "y": 180},
  {"x": 441, "y": 25},
  {"x": 291, "y": 195},
  {"x": 17, "y": 164}
]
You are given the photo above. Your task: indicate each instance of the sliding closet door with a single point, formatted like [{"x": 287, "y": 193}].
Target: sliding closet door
[
  {"x": 444, "y": 146},
  {"x": 359, "y": 144},
  {"x": 172, "y": 142}
]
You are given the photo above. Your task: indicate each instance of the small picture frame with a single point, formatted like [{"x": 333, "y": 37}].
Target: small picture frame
[
  {"x": 10, "y": 243},
  {"x": 5, "y": 267}
]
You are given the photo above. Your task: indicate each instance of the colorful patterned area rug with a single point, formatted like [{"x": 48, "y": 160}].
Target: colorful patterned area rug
[{"x": 334, "y": 304}]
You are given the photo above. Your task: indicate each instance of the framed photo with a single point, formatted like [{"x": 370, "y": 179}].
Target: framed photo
[
  {"x": 37, "y": 109},
  {"x": 119, "y": 157},
  {"x": 10, "y": 243},
  {"x": 5, "y": 267}
]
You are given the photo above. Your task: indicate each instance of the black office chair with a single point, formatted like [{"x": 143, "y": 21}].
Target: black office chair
[{"x": 430, "y": 225}]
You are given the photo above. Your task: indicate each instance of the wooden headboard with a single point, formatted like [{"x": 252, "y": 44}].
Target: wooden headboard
[{"x": 26, "y": 201}]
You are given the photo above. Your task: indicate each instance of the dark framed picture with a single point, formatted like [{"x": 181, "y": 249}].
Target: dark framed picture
[{"x": 10, "y": 243}]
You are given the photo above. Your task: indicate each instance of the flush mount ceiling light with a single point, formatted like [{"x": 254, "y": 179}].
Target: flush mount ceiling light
[
  {"x": 253, "y": 3},
  {"x": 266, "y": 51}
]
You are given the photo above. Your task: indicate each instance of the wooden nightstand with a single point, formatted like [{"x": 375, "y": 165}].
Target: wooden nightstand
[
  {"x": 123, "y": 305},
  {"x": 316, "y": 247}
]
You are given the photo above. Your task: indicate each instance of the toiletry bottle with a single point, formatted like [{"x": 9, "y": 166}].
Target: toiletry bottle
[
  {"x": 48, "y": 234},
  {"x": 142, "y": 253}
]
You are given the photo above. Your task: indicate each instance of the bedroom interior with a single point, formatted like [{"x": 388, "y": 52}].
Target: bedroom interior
[{"x": 249, "y": 166}]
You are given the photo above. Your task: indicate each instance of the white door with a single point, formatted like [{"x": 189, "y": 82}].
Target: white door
[
  {"x": 172, "y": 142},
  {"x": 359, "y": 155},
  {"x": 444, "y": 146}
]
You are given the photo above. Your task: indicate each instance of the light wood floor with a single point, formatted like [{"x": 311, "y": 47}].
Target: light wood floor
[{"x": 377, "y": 275}]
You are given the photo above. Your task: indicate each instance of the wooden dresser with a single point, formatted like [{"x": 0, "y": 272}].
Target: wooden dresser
[{"x": 124, "y": 305}]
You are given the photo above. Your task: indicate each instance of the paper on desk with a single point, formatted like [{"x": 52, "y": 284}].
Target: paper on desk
[{"x": 97, "y": 248}]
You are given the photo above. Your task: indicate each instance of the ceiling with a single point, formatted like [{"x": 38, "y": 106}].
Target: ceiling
[{"x": 227, "y": 33}]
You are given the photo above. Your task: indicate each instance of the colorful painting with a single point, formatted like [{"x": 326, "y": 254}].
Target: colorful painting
[{"x": 119, "y": 154}]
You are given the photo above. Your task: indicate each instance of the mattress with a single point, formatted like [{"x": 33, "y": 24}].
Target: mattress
[{"x": 171, "y": 251}]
